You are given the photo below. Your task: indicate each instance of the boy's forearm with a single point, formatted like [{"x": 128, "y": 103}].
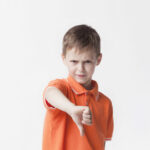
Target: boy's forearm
[{"x": 56, "y": 98}]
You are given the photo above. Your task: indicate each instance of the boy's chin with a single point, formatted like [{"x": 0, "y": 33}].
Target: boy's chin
[{"x": 81, "y": 81}]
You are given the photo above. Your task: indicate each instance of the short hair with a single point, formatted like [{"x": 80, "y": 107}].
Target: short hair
[{"x": 81, "y": 36}]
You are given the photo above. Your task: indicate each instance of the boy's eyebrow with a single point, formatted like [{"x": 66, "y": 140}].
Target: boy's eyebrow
[{"x": 78, "y": 60}]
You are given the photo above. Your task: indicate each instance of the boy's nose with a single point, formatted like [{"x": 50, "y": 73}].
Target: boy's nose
[{"x": 81, "y": 67}]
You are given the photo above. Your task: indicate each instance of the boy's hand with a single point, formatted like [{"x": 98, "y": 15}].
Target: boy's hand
[{"x": 81, "y": 115}]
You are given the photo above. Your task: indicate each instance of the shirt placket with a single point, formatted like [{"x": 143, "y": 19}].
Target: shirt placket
[{"x": 87, "y": 98}]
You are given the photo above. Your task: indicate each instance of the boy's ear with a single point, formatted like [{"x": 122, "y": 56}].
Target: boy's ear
[
  {"x": 63, "y": 58},
  {"x": 99, "y": 58}
]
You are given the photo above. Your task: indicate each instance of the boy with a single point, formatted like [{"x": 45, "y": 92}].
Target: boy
[{"x": 78, "y": 116}]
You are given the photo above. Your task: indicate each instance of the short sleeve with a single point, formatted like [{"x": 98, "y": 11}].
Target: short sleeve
[
  {"x": 110, "y": 122},
  {"x": 58, "y": 83}
]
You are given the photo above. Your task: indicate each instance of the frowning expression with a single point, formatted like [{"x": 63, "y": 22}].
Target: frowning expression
[{"x": 81, "y": 65}]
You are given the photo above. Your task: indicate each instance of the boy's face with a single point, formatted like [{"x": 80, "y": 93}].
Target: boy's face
[{"x": 81, "y": 65}]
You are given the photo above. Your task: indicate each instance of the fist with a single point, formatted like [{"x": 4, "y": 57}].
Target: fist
[
  {"x": 81, "y": 115},
  {"x": 87, "y": 116}
]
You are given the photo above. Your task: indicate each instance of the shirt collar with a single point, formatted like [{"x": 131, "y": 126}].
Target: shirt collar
[{"x": 79, "y": 89}]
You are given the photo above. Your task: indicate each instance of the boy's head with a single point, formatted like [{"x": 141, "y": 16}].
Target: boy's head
[
  {"x": 81, "y": 37},
  {"x": 81, "y": 53}
]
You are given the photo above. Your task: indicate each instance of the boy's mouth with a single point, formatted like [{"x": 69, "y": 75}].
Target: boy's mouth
[{"x": 81, "y": 76}]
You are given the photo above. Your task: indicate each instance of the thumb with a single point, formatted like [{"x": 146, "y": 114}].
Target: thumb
[{"x": 81, "y": 129}]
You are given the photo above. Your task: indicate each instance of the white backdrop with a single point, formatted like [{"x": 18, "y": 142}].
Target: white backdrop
[{"x": 31, "y": 33}]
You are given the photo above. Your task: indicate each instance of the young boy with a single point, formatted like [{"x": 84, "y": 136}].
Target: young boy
[{"x": 78, "y": 116}]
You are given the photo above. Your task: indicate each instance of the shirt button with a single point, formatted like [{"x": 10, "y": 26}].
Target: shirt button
[{"x": 87, "y": 103}]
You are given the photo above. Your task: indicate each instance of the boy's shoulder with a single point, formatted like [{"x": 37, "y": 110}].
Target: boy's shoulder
[
  {"x": 104, "y": 97},
  {"x": 59, "y": 83}
]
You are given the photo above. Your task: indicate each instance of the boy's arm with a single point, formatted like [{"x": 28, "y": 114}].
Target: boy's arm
[
  {"x": 55, "y": 97},
  {"x": 80, "y": 114}
]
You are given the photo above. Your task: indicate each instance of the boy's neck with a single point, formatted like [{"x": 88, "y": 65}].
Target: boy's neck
[{"x": 88, "y": 86}]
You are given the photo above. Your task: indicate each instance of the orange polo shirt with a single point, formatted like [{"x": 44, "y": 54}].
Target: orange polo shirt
[{"x": 61, "y": 133}]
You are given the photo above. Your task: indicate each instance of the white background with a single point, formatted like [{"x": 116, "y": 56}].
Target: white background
[{"x": 31, "y": 33}]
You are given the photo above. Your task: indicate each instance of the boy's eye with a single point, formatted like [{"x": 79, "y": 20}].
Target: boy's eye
[
  {"x": 88, "y": 61},
  {"x": 73, "y": 61}
]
